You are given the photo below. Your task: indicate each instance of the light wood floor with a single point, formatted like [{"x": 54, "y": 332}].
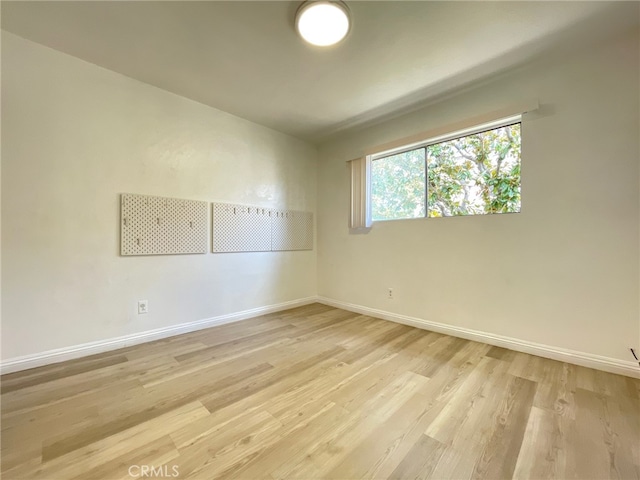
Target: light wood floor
[{"x": 317, "y": 392}]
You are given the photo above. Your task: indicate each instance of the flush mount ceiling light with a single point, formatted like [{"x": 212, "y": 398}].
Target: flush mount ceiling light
[{"x": 323, "y": 22}]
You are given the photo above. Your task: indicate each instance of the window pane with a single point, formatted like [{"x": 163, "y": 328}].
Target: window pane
[
  {"x": 475, "y": 175},
  {"x": 397, "y": 186}
]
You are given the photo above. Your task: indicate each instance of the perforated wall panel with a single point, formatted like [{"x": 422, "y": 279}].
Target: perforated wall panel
[
  {"x": 291, "y": 230},
  {"x": 162, "y": 226},
  {"x": 239, "y": 228}
]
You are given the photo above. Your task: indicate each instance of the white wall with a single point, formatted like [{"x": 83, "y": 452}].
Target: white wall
[
  {"x": 562, "y": 273},
  {"x": 74, "y": 136}
]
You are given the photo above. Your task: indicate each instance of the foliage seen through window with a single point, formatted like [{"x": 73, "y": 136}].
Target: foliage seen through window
[{"x": 472, "y": 175}]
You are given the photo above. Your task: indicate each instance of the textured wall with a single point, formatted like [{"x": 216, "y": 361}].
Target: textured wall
[
  {"x": 564, "y": 272},
  {"x": 75, "y": 136}
]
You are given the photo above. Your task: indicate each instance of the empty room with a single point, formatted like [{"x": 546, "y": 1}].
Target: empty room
[{"x": 320, "y": 240}]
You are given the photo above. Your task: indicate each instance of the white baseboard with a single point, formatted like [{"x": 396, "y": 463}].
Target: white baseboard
[
  {"x": 77, "y": 351},
  {"x": 613, "y": 365},
  {"x": 598, "y": 362}
]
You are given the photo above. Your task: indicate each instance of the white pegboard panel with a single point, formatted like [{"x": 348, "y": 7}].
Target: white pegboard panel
[
  {"x": 291, "y": 230},
  {"x": 162, "y": 226},
  {"x": 240, "y": 228}
]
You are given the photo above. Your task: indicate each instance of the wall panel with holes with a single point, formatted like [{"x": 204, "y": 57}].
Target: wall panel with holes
[
  {"x": 239, "y": 228},
  {"x": 162, "y": 226},
  {"x": 291, "y": 230},
  {"x": 242, "y": 228}
]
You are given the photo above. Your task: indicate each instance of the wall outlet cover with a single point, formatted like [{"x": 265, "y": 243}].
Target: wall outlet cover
[{"x": 143, "y": 307}]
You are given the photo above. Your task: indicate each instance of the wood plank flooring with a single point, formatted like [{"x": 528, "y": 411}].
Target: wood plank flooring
[{"x": 316, "y": 392}]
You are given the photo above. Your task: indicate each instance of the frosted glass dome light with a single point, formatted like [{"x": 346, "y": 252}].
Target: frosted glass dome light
[{"x": 323, "y": 23}]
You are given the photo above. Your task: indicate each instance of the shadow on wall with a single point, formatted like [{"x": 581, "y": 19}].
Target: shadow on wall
[{"x": 610, "y": 21}]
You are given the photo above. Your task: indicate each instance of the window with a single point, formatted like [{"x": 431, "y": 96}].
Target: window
[
  {"x": 398, "y": 186},
  {"x": 474, "y": 174}
]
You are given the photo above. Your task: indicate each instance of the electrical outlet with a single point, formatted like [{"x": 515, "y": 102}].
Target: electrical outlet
[
  {"x": 390, "y": 293},
  {"x": 143, "y": 306}
]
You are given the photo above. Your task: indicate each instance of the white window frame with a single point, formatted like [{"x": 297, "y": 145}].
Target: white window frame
[
  {"x": 360, "y": 215},
  {"x": 503, "y": 122}
]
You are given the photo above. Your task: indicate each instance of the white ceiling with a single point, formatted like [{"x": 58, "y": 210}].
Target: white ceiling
[{"x": 246, "y": 59}]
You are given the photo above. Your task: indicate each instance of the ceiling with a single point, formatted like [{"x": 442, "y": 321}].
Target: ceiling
[{"x": 246, "y": 59}]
